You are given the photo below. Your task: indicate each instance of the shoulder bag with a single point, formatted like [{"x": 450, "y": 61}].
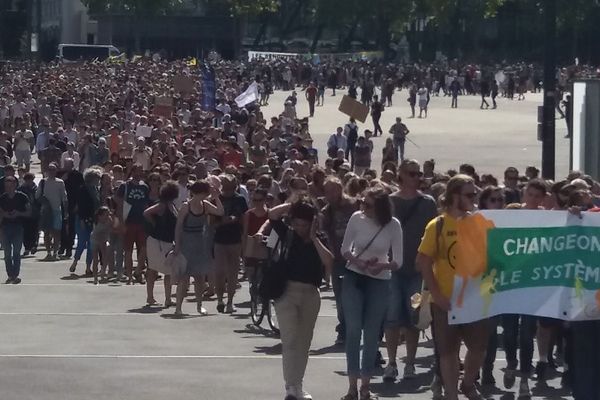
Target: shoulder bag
[{"x": 274, "y": 279}]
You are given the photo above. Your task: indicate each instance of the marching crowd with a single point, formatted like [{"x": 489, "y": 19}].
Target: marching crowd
[{"x": 194, "y": 191}]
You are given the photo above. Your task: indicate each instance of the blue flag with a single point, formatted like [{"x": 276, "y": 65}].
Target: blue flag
[{"x": 208, "y": 88}]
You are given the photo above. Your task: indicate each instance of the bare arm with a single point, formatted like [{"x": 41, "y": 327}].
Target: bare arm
[
  {"x": 179, "y": 226},
  {"x": 425, "y": 266},
  {"x": 278, "y": 212}
]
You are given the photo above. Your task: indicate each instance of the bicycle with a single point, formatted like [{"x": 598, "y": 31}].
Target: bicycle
[{"x": 260, "y": 308}]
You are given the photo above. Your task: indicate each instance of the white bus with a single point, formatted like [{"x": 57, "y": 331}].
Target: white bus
[{"x": 81, "y": 52}]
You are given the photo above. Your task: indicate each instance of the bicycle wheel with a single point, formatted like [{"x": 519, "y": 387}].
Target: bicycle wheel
[
  {"x": 257, "y": 309},
  {"x": 272, "y": 317}
]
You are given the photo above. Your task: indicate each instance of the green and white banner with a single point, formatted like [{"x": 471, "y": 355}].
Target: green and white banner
[{"x": 542, "y": 263}]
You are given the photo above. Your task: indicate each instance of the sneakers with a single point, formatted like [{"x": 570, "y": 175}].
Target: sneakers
[
  {"x": 510, "y": 377},
  {"x": 437, "y": 388},
  {"x": 409, "y": 371},
  {"x": 390, "y": 373},
  {"x": 524, "y": 391},
  {"x": 8, "y": 281},
  {"x": 16, "y": 281},
  {"x": 296, "y": 393},
  {"x": 302, "y": 394}
]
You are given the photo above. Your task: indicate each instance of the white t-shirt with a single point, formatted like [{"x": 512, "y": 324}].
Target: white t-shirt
[{"x": 22, "y": 140}]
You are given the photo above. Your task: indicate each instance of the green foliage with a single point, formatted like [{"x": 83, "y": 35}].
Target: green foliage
[
  {"x": 252, "y": 7},
  {"x": 135, "y": 7}
]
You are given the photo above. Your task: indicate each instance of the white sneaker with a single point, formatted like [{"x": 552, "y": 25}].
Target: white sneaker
[
  {"x": 524, "y": 391},
  {"x": 409, "y": 371},
  {"x": 290, "y": 393},
  {"x": 301, "y": 394},
  {"x": 390, "y": 373}
]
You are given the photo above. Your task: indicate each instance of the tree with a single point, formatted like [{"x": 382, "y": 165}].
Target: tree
[{"x": 136, "y": 9}]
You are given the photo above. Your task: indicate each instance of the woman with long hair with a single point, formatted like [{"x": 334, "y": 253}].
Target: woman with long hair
[
  {"x": 370, "y": 235},
  {"x": 154, "y": 183},
  {"x": 194, "y": 240},
  {"x": 161, "y": 219},
  {"x": 88, "y": 202}
]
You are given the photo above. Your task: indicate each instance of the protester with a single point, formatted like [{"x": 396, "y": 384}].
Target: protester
[
  {"x": 370, "y": 236},
  {"x": 433, "y": 255},
  {"x": 307, "y": 261},
  {"x": 161, "y": 220},
  {"x": 193, "y": 240},
  {"x": 51, "y": 192},
  {"x": 414, "y": 210},
  {"x": 14, "y": 207}
]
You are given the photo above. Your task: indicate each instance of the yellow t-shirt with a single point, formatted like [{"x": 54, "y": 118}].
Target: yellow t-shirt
[{"x": 444, "y": 265}]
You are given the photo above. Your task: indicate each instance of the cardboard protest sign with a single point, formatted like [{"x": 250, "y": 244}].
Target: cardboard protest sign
[
  {"x": 354, "y": 109},
  {"x": 183, "y": 84},
  {"x": 163, "y": 107}
]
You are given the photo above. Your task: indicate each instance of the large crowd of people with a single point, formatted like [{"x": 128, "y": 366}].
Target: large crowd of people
[{"x": 129, "y": 163}]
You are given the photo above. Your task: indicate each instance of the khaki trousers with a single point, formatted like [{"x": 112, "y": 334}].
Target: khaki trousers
[{"x": 297, "y": 312}]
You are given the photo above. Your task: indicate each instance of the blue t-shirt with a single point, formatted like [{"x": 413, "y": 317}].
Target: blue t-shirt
[{"x": 136, "y": 195}]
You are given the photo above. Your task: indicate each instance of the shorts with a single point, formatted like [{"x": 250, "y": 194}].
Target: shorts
[
  {"x": 134, "y": 234},
  {"x": 23, "y": 157},
  {"x": 402, "y": 288}
]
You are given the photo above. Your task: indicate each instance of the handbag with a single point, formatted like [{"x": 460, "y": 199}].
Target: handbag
[
  {"x": 421, "y": 309},
  {"x": 274, "y": 279},
  {"x": 177, "y": 264},
  {"x": 255, "y": 248}
]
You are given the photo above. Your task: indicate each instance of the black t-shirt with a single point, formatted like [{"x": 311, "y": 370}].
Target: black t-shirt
[
  {"x": 18, "y": 202},
  {"x": 231, "y": 233},
  {"x": 303, "y": 263},
  {"x": 376, "y": 108}
]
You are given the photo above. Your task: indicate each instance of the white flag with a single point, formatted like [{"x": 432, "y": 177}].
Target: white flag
[{"x": 250, "y": 95}]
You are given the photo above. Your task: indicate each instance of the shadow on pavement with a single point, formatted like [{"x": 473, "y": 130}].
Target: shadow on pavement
[
  {"x": 255, "y": 330},
  {"x": 181, "y": 316},
  {"x": 147, "y": 309},
  {"x": 269, "y": 350},
  {"x": 334, "y": 348}
]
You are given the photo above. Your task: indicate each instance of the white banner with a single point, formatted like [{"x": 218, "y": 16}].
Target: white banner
[{"x": 541, "y": 263}]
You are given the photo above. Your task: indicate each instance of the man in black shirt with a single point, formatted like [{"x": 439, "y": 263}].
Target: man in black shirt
[
  {"x": 228, "y": 242},
  {"x": 14, "y": 206},
  {"x": 376, "y": 110},
  {"x": 73, "y": 181}
]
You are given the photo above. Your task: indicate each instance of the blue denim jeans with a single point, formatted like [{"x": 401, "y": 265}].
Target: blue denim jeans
[
  {"x": 585, "y": 360},
  {"x": 12, "y": 242},
  {"x": 83, "y": 242},
  {"x": 365, "y": 303}
]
